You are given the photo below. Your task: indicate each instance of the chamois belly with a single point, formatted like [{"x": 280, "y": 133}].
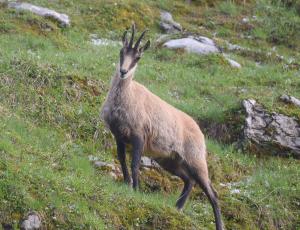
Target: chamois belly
[{"x": 164, "y": 146}]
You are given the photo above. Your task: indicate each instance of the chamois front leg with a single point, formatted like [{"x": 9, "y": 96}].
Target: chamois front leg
[
  {"x": 137, "y": 148},
  {"x": 122, "y": 158}
]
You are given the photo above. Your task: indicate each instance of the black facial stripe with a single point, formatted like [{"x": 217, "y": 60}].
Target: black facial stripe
[
  {"x": 133, "y": 63},
  {"x": 121, "y": 60},
  {"x": 134, "y": 55}
]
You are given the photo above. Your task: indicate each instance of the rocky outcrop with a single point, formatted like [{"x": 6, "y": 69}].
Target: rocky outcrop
[
  {"x": 271, "y": 133},
  {"x": 167, "y": 24},
  {"x": 63, "y": 19}
]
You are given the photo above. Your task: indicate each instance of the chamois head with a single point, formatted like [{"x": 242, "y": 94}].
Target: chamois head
[{"x": 129, "y": 54}]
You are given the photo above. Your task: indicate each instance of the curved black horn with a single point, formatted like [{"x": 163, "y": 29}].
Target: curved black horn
[
  {"x": 124, "y": 37},
  {"x": 139, "y": 40},
  {"x": 132, "y": 35}
]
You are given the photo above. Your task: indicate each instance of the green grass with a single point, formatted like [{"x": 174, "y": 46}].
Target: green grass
[{"x": 53, "y": 82}]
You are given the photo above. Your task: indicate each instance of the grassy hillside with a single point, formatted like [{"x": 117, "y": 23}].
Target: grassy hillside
[{"x": 53, "y": 82}]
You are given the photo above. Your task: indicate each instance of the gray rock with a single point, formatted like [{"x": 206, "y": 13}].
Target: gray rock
[
  {"x": 245, "y": 20},
  {"x": 104, "y": 165},
  {"x": 103, "y": 42},
  {"x": 63, "y": 19},
  {"x": 271, "y": 133},
  {"x": 290, "y": 100},
  {"x": 198, "y": 45},
  {"x": 204, "y": 40},
  {"x": 147, "y": 162},
  {"x": 113, "y": 175},
  {"x": 93, "y": 158},
  {"x": 231, "y": 46},
  {"x": 167, "y": 23},
  {"x": 31, "y": 222},
  {"x": 162, "y": 38},
  {"x": 233, "y": 63},
  {"x": 111, "y": 169}
]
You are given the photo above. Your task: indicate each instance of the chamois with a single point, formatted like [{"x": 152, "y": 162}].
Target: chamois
[{"x": 152, "y": 127}]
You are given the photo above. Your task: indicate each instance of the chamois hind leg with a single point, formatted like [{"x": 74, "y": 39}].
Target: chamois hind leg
[
  {"x": 122, "y": 159},
  {"x": 198, "y": 170},
  {"x": 187, "y": 188},
  {"x": 176, "y": 167}
]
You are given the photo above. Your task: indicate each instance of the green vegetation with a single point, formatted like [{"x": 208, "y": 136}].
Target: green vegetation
[{"x": 53, "y": 82}]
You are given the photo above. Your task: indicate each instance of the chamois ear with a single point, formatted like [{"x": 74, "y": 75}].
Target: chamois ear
[{"x": 145, "y": 47}]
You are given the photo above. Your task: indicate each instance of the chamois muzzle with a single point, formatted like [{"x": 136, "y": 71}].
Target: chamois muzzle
[{"x": 123, "y": 72}]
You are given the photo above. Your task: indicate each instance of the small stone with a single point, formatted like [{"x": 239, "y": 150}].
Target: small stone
[
  {"x": 147, "y": 162},
  {"x": 93, "y": 158},
  {"x": 234, "y": 46},
  {"x": 290, "y": 100},
  {"x": 104, "y": 165},
  {"x": 103, "y": 42},
  {"x": 31, "y": 222},
  {"x": 245, "y": 20},
  {"x": 233, "y": 63},
  {"x": 235, "y": 191},
  {"x": 167, "y": 23}
]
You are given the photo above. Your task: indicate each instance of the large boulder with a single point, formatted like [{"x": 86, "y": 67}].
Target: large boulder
[
  {"x": 200, "y": 45},
  {"x": 272, "y": 133},
  {"x": 167, "y": 24},
  {"x": 63, "y": 19}
]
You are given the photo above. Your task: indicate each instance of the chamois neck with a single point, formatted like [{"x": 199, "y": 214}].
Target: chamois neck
[{"x": 118, "y": 82}]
